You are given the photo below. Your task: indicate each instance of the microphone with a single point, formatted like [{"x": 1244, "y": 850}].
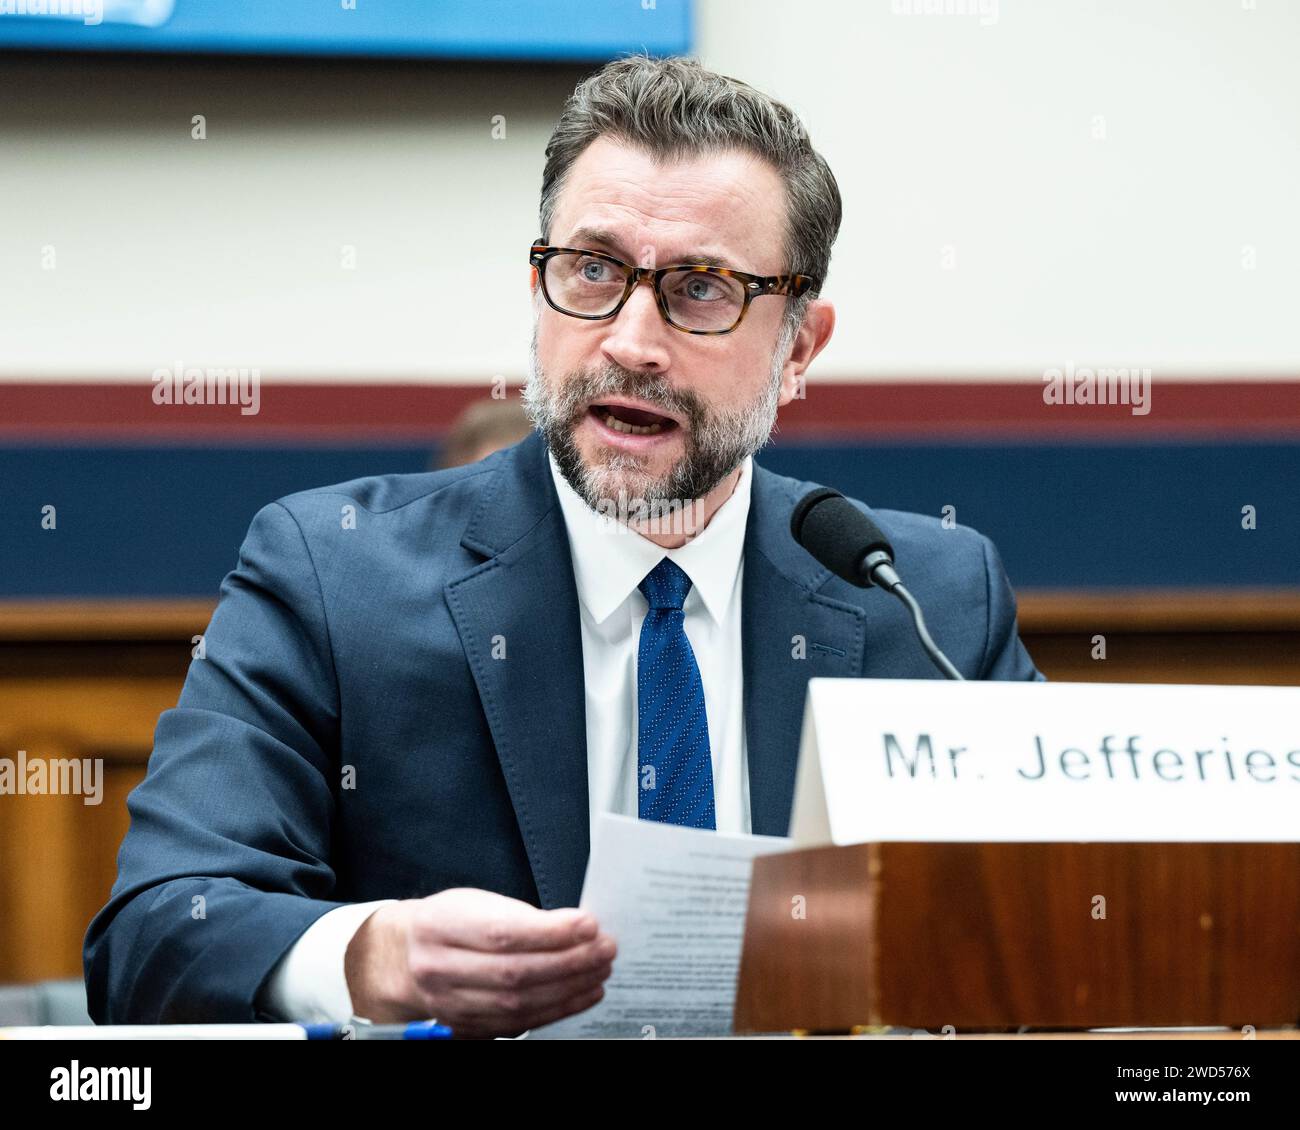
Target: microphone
[{"x": 853, "y": 547}]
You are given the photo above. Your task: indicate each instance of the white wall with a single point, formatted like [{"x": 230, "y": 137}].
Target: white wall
[{"x": 945, "y": 131}]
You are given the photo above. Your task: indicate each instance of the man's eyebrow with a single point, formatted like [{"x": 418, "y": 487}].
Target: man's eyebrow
[{"x": 584, "y": 237}]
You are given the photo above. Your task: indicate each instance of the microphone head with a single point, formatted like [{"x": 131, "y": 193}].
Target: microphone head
[{"x": 837, "y": 533}]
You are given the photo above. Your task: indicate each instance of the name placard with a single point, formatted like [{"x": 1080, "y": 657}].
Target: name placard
[{"x": 921, "y": 760}]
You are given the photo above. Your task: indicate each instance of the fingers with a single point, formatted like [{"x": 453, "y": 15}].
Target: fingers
[
  {"x": 569, "y": 1008},
  {"x": 476, "y": 1012},
  {"x": 478, "y": 970},
  {"x": 508, "y": 987},
  {"x": 490, "y": 965},
  {"x": 481, "y": 920}
]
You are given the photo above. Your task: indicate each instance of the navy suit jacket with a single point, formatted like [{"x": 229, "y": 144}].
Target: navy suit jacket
[{"x": 349, "y": 734}]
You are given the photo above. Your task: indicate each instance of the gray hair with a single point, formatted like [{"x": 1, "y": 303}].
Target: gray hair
[{"x": 674, "y": 109}]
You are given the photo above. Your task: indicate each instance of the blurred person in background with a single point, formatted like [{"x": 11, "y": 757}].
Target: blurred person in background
[{"x": 482, "y": 428}]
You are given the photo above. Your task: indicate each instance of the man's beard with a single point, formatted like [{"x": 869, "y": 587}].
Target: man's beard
[{"x": 716, "y": 443}]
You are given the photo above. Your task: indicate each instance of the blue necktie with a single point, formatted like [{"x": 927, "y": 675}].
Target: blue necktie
[{"x": 674, "y": 768}]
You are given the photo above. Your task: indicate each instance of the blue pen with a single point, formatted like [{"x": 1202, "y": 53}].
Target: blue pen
[{"x": 415, "y": 1030}]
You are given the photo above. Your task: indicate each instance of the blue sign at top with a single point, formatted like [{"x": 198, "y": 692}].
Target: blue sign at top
[{"x": 576, "y": 30}]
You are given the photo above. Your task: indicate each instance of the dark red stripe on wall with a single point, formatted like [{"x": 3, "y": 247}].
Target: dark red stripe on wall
[{"x": 47, "y": 411}]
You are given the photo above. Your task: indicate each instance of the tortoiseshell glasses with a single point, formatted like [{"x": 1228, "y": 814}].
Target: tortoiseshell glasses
[{"x": 693, "y": 298}]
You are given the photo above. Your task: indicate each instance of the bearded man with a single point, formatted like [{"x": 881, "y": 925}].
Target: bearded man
[{"x": 380, "y": 781}]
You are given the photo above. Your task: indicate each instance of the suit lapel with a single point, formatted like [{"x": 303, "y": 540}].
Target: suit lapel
[
  {"x": 789, "y": 634},
  {"x": 517, "y": 615}
]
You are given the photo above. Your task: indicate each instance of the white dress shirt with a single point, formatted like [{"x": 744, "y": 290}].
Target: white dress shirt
[{"x": 609, "y": 563}]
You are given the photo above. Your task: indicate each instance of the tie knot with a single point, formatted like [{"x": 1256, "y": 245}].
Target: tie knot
[{"x": 666, "y": 585}]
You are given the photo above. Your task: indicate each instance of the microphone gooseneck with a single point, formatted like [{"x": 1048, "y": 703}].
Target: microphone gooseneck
[{"x": 853, "y": 547}]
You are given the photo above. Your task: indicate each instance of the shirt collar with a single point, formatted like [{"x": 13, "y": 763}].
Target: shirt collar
[{"x": 610, "y": 560}]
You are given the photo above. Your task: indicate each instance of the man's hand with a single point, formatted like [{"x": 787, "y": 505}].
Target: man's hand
[{"x": 482, "y": 963}]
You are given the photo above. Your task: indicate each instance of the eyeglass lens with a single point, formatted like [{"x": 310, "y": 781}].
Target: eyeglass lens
[{"x": 697, "y": 300}]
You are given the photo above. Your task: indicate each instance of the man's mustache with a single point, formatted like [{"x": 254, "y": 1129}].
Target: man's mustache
[{"x": 585, "y": 390}]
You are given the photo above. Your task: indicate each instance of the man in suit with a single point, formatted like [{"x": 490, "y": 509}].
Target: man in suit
[{"x": 375, "y": 794}]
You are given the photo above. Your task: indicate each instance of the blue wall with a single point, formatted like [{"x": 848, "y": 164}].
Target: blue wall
[{"x": 168, "y": 521}]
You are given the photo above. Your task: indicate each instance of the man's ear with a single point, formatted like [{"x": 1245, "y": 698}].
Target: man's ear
[{"x": 810, "y": 339}]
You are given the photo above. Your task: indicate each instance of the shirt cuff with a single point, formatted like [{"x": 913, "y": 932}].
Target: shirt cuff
[{"x": 308, "y": 983}]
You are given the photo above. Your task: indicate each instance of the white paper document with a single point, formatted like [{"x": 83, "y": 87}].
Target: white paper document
[{"x": 674, "y": 899}]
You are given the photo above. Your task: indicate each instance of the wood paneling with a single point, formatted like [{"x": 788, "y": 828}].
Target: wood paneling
[
  {"x": 1234, "y": 636},
  {"x": 83, "y": 680}
]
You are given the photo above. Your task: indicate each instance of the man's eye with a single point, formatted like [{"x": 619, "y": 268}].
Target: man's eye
[
  {"x": 701, "y": 288},
  {"x": 595, "y": 270}
]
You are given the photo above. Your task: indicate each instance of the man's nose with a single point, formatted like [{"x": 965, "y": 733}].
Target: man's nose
[{"x": 637, "y": 337}]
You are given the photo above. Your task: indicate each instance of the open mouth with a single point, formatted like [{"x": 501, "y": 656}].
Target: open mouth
[{"x": 632, "y": 421}]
